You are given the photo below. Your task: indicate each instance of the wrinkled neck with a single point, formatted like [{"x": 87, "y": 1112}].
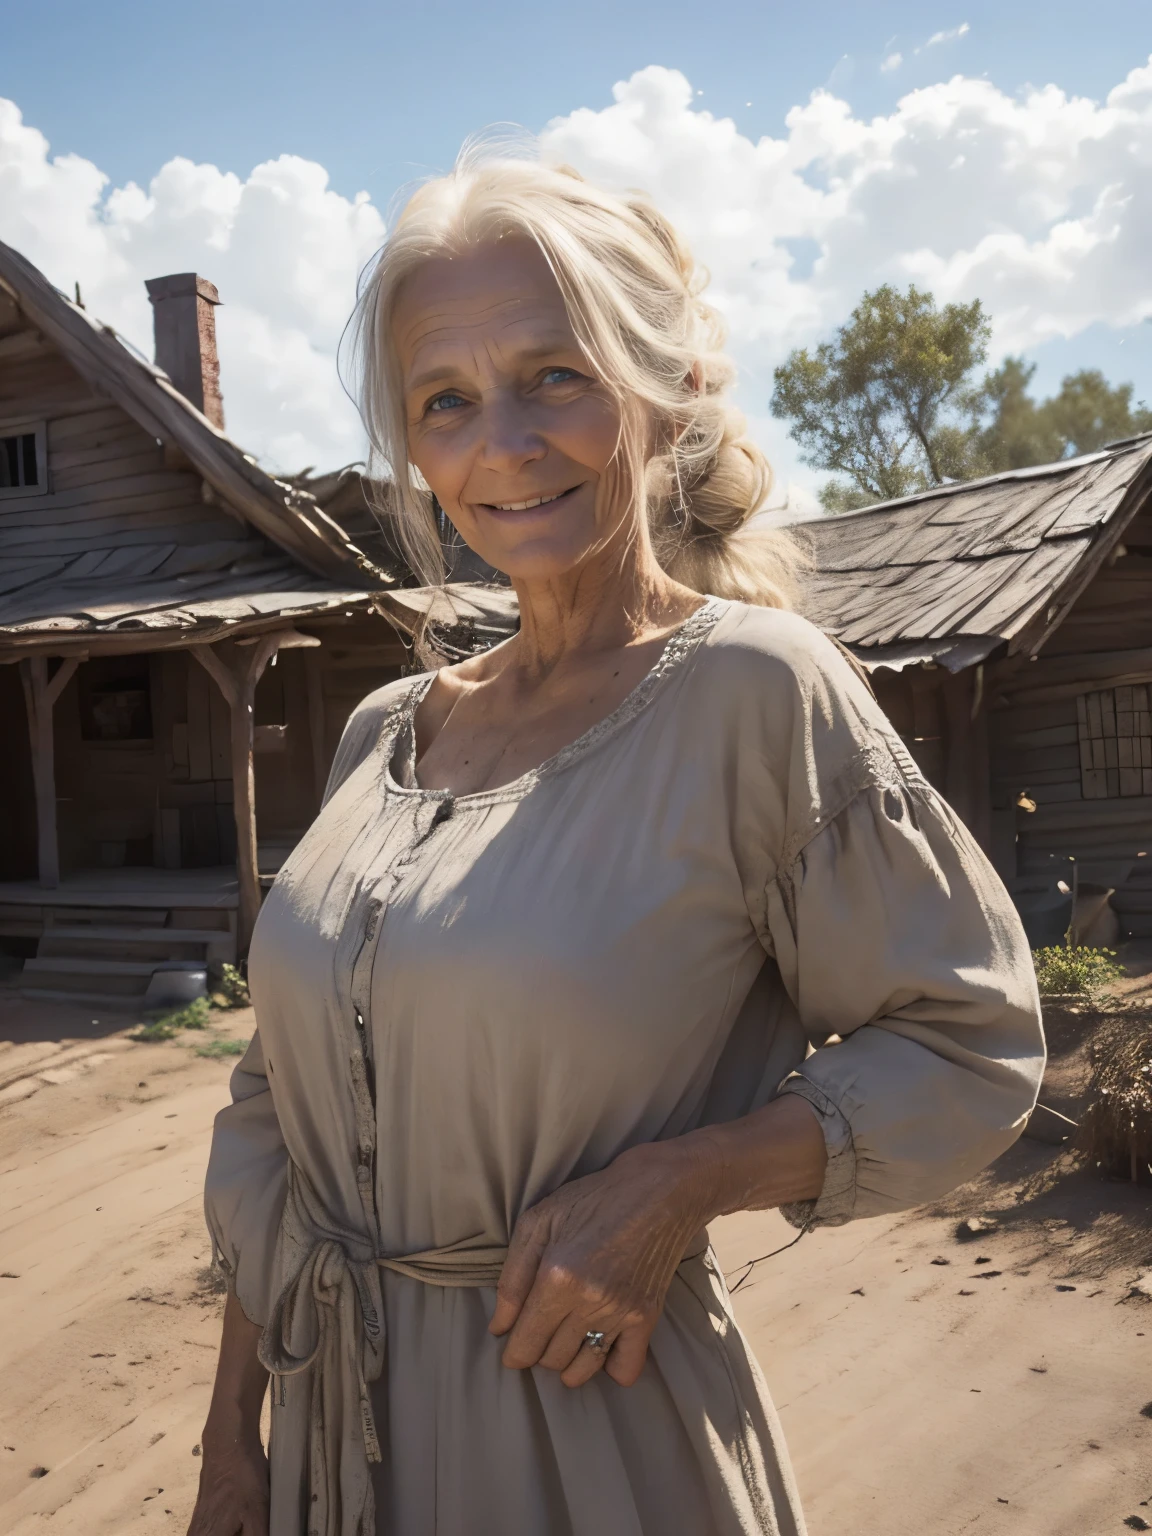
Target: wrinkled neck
[{"x": 615, "y": 597}]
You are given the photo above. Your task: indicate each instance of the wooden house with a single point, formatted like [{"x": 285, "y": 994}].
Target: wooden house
[
  {"x": 182, "y": 637},
  {"x": 1007, "y": 627}
]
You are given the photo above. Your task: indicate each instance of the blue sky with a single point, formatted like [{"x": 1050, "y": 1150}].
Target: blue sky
[{"x": 379, "y": 94}]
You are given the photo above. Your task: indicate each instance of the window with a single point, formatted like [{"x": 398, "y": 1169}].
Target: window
[
  {"x": 23, "y": 460},
  {"x": 1115, "y": 729},
  {"x": 115, "y": 699}
]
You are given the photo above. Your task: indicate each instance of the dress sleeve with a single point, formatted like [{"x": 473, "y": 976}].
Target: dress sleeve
[
  {"x": 246, "y": 1184},
  {"x": 895, "y": 937}
]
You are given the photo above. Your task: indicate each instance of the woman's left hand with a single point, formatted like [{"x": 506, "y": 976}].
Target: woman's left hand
[{"x": 598, "y": 1256}]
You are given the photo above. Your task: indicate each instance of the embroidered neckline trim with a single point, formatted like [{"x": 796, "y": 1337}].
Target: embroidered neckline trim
[{"x": 678, "y": 647}]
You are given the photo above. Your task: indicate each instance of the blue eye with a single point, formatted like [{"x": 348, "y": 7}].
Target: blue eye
[
  {"x": 560, "y": 375},
  {"x": 446, "y": 402}
]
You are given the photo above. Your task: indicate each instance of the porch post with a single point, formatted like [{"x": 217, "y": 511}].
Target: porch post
[
  {"x": 40, "y": 695},
  {"x": 238, "y": 685}
]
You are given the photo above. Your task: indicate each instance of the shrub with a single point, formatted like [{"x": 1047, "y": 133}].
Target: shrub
[
  {"x": 193, "y": 1016},
  {"x": 148, "y": 1034},
  {"x": 231, "y": 990},
  {"x": 1075, "y": 969},
  {"x": 215, "y": 1049}
]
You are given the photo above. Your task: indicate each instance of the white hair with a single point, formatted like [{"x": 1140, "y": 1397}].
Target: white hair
[{"x": 633, "y": 296}]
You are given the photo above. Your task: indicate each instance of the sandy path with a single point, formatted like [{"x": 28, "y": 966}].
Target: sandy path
[{"x": 910, "y": 1408}]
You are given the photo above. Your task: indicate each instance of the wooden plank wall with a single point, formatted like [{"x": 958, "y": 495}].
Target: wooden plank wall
[
  {"x": 192, "y": 739},
  {"x": 912, "y": 701},
  {"x": 106, "y": 791},
  {"x": 110, "y": 484},
  {"x": 1035, "y": 740},
  {"x": 359, "y": 655}
]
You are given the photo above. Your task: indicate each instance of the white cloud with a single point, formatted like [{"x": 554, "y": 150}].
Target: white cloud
[
  {"x": 1040, "y": 204},
  {"x": 891, "y": 62},
  {"x": 951, "y": 36},
  {"x": 281, "y": 246}
]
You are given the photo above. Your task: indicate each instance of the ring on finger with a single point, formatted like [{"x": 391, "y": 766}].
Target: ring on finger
[{"x": 596, "y": 1341}]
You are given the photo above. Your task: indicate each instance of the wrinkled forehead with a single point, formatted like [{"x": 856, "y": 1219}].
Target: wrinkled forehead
[{"x": 488, "y": 306}]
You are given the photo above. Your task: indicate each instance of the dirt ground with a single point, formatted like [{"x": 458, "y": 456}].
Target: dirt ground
[{"x": 998, "y": 1385}]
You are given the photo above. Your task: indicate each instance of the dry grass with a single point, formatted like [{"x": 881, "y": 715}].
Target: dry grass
[{"x": 1116, "y": 1127}]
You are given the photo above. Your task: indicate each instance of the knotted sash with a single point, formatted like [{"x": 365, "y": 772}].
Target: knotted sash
[{"x": 329, "y": 1319}]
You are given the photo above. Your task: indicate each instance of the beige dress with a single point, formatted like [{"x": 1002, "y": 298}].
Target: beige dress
[{"x": 464, "y": 1001}]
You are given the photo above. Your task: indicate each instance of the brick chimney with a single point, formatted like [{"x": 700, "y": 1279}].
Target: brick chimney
[{"x": 184, "y": 321}]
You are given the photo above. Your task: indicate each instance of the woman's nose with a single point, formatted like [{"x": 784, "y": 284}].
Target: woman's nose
[{"x": 509, "y": 437}]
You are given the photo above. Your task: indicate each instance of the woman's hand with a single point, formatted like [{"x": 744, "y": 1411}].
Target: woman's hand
[
  {"x": 233, "y": 1496},
  {"x": 599, "y": 1254}
]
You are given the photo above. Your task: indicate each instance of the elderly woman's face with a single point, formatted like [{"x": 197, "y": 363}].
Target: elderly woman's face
[{"x": 505, "y": 420}]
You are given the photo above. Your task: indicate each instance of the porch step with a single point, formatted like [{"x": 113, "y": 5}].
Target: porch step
[
  {"x": 134, "y": 943},
  {"x": 128, "y": 978},
  {"x": 119, "y": 1002},
  {"x": 110, "y": 967}
]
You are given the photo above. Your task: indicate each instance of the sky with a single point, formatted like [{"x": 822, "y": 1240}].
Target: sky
[{"x": 1000, "y": 151}]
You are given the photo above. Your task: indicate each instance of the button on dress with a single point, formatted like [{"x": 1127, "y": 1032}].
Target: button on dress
[{"x": 737, "y": 885}]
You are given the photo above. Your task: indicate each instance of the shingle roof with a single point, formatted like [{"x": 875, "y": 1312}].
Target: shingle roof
[
  {"x": 289, "y": 516},
  {"x": 954, "y": 573},
  {"x": 201, "y": 546}
]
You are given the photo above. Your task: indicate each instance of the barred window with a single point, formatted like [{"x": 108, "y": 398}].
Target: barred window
[
  {"x": 1115, "y": 729},
  {"x": 23, "y": 462}
]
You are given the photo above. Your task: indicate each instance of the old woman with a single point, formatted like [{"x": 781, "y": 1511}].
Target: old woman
[{"x": 644, "y": 916}]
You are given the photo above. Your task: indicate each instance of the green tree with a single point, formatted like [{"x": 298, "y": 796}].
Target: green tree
[
  {"x": 889, "y": 403},
  {"x": 1087, "y": 413},
  {"x": 1014, "y": 432},
  {"x": 893, "y": 404}
]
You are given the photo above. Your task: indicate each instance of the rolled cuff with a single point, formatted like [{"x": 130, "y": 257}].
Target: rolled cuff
[{"x": 836, "y": 1202}]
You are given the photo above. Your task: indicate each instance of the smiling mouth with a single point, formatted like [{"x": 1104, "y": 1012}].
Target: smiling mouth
[{"x": 528, "y": 506}]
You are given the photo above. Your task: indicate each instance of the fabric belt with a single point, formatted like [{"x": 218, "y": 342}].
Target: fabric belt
[{"x": 329, "y": 1317}]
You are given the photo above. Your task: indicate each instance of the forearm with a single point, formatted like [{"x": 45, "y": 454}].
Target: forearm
[
  {"x": 774, "y": 1156},
  {"x": 241, "y": 1381}
]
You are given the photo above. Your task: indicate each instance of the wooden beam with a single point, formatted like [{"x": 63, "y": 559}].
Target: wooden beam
[
  {"x": 237, "y": 682},
  {"x": 61, "y": 679},
  {"x": 40, "y": 695},
  {"x": 217, "y": 671},
  {"x": 286, "y": 640}
]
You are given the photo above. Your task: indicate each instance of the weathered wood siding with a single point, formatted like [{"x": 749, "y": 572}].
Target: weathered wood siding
[
  {"x": 912, "y": 701},
  {"x": 167, "y": 800},
  {"x": 118, "y": 507},
  {"x": 110, "y": 485},
  {"x": 1104, "y": 643}
]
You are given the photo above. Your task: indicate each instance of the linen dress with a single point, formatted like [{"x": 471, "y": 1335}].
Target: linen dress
[{"x": 465, "y": 1001}]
